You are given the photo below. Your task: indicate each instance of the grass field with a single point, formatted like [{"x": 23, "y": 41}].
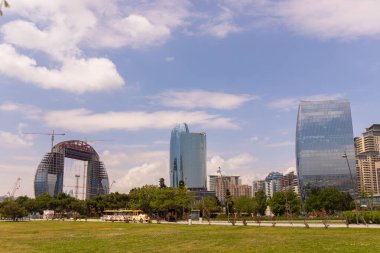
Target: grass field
[{"x": 64, "y": 236}]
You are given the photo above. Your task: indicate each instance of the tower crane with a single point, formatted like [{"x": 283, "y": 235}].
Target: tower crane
[
  {"x": 53, "y": 134},
  {"x": 16, "y": 186}
]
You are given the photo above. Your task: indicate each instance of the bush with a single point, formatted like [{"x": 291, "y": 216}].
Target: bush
[{"x": 371, "y": 217}]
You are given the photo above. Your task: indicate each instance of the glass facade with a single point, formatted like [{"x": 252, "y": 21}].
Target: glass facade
[
  {"x": 49, "y": 175},
  {"x": 324, "y": 133},
  {"x": 187, "y": 158}
]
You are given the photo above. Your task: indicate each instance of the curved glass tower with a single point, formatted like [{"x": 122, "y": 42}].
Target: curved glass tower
[
  {"x": 187, "y": 158},
  {"x": 324, "y": 133}
]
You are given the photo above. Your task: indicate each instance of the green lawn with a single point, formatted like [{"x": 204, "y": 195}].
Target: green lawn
[{"x": 64, "y": 236}]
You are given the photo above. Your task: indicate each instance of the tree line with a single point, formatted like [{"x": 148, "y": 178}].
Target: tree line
[{"x": 168, "y": 202}]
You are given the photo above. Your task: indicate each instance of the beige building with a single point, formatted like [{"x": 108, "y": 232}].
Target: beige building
[
  {"x": 233, "y": 184},
  {"x": 367, "y": 151}
]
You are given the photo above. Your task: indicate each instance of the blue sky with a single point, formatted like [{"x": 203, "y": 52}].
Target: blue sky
[{"x": 122, "y": 74}]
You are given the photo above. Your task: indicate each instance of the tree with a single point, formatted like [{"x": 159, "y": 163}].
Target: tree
[
  {"x": 285, "y": 201},
  {"x": 12, "y": 209},
  {"x": 260, "y": 202},
  {"x": 6, "y": 5},
  {"x": 162, "y": 183},
  {"x": 244, "y": 204},
  {"x": 329, "y": 199}
]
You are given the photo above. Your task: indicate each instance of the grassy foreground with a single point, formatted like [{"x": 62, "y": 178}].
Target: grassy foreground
[{"x": 64, "y": 236}]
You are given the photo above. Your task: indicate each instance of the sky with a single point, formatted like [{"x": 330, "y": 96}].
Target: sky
[{"x": 121, "y": 74}]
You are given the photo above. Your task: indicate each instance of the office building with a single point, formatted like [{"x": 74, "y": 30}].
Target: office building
[
  {"x": 323, "y": 134},
  {"x": 188, "y": 158}
]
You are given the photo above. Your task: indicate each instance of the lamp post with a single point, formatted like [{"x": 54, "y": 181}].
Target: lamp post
[
  {"x": 225, "y": 193},
  {"x": 353, "y": 184}
]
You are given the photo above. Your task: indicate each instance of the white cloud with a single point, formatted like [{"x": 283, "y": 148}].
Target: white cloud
[
  {"x": 136, "y": 168},
  {"x": 222, "y": 24},
  {"x": 75, "y": 75},
  {"x": 82, "y": 120},
  {"x": 190, "y": 99},
  {"x": 292, "y": 103},
  {"x": 280, "y": 144},
  {"x": 10, "y": 140},
  {"x": 30, "y": 111},
  {"x": 342, "y": 19},
  {"x": 325, "y": 19},
  {"x": 239, "y": 165}
]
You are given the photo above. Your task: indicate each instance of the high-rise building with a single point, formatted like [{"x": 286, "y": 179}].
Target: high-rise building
[
  {"x": 289, "y": 182},
  {"x": 258, "y": 185},
  {"x": 273, "y": 183},
  {"x": 188, "y": 158},
  {"x": 367, "y": 150},
  {"x": 212, "y": 182},
  {"x": 324, "y": 133},
  {"x": 233, "y": 185}
]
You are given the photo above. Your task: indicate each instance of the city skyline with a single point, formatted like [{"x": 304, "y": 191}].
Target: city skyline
[{"x": 122, "y": 74}]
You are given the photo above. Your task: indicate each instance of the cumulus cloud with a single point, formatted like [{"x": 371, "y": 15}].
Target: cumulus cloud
[
  {"x": 238, "y": 165},
  {"x": 75, "y": 75},
  {"x": 190, "y": 99},
  {"x": 287, "y": 104},
  {"x": 325, "y": 19},
  {"x": 62, "y": 30},
  {"x": 82, "y": 120},
  {"x": 30, "y": 111},
  {"x": 10, "y": 140},
  {"x": 136, "y": 168},
  {"x": 222, "y": 24}
]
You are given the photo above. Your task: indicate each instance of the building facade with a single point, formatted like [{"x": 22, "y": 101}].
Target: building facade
[
  {"x": 367, "y": 150},
  {"x": 188, "y": 158},
  {"x": 323, "y": 134}
]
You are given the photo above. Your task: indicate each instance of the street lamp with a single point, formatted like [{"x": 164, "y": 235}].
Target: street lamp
[
  {"x": 353, "y": 184},
  {"x": 225, "y": 193}
]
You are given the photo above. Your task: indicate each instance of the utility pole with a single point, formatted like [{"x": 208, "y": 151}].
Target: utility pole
[
  {"x": 353, "y": 184},
  {"x": 76, "y": 185},
  {"x": 225, "y": 193}
]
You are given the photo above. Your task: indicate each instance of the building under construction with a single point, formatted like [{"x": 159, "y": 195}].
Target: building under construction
[{"x": 49, "y": 174}]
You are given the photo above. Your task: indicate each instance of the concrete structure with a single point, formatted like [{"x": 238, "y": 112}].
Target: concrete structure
[
  {"x": 188, "y": 158},
  {"x": 367, "y": 151},
  {"x": 49, "y": 175},
  {"x": 324, "y": 133},
  {"x": 212, "y": 182}
]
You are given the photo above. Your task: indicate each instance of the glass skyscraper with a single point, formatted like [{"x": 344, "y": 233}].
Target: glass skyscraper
[
  {"x": 187, "y": 158},
  {"x": 324, "y": 133}
]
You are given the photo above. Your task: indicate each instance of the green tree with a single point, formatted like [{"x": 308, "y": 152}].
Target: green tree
[
  {"x": 12, "y": 209},
  {"x": 244, "y": 204},
  {"x": 162, "y": 183},
  {"x": 285, "y": 201},
  {"x": 260, "y": 202},
  {"x": 329, "y": 199}
]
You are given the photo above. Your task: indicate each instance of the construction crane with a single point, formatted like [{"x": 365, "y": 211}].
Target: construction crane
[
  {"x": 16, "y": 186},
  {"x": 53, "y": 134}
]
